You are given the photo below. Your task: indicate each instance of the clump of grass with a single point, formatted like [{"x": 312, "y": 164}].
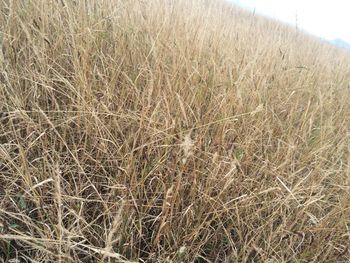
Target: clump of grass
[{"x": 169, "y": 131}]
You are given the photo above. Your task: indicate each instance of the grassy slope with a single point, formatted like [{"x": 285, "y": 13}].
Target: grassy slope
[{"x": 176, "y": 131}]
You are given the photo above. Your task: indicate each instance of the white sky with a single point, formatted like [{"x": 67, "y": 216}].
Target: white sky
[{"x": 324, "y": 18}]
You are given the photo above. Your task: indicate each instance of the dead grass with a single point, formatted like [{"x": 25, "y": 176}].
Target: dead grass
[{"x": 169, "y": 131}]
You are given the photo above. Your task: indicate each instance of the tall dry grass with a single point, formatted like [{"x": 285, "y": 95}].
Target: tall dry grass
[{"x": 169, "y": 131}]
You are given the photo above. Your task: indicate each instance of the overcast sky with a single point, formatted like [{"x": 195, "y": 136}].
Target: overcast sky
[{"x": 324, "y": 18}]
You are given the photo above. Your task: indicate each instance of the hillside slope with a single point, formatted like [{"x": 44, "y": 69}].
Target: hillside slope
[
  {"x": 340, "y": 43},
  {"x": 169, "y": 131}
]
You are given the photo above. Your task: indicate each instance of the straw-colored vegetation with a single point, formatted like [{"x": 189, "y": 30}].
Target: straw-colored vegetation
[{"x": 169, "y": 131}]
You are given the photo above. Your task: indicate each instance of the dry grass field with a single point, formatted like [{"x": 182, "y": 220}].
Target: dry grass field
[{"x": 169, "y": 131}]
